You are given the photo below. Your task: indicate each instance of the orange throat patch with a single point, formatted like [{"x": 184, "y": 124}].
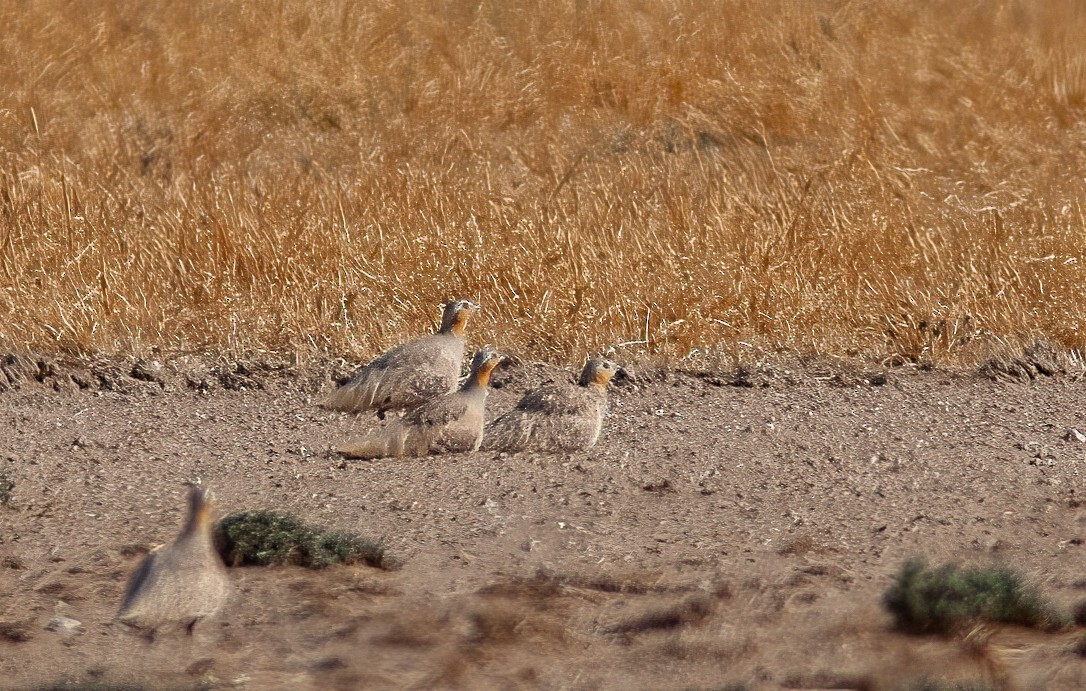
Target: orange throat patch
[
  {"x": 482, "y": 377},
  {"x": 200, "y": 518},
  {"x": 600, "y": 378},
  {"x": 459, "y": 323}
]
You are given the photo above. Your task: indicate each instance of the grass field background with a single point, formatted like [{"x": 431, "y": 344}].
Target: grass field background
[{"x": 896, "y": 181}]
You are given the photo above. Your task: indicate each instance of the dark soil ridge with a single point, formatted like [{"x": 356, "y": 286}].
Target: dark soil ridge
[{"x": 204, "y": 373}]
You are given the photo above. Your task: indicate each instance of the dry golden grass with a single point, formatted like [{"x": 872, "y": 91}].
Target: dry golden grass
[{"x": 891, "y": 180}]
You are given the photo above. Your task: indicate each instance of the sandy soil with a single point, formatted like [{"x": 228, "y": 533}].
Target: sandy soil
[{"x": 730, "y": 529}]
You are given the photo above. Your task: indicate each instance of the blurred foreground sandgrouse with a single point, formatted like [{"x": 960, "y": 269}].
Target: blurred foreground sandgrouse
[
  {"x": 181, "y": 583},
  {"x": 450, "y": 423},
  {"x": 556, "y": 417},
  {"x": 411, "y": 373}
]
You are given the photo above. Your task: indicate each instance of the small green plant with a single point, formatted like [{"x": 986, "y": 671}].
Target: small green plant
[
  {"x": 271, "y": 538},
  {"x": 945, "y": 599}
]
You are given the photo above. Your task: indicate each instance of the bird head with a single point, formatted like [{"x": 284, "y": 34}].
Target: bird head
[
  {"x": 598, "y": 372},
  {"x": 454, "y": 318},
  {"x": 483, "y": 364},
  {"x": 200, "y": 505}
]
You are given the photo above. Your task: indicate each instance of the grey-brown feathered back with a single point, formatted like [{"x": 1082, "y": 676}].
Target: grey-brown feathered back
[
  {"x": 411, "y": 373},
  {"x": 450, "y": 423},
  {"x": 182, "y": 582},
  {"x": 555, "y": 417}
]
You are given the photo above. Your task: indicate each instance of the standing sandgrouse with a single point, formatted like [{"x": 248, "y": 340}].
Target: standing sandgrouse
[
  {"x": 411, "y": 373},
  {"x": 556, "y": 417},
  {"x": 450, "y": 423},
  {"x": 182, "y": 582}
]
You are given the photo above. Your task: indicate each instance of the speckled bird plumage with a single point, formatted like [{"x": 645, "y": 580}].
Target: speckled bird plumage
[
  {"x": 555, "y": 417},
  {"x": 411, "y": 373},
  {"x": 449, "y": 423}
]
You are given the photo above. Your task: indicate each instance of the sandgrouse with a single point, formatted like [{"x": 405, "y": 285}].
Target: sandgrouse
[
  {"x": 411, "y": 373},
  {"x": 181, "y": 583},
  {"x": 556, "y": 417},
  {"x": 450, "y": 423}
]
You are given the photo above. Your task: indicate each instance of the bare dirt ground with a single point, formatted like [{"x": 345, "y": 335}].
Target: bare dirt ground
[{"x": 731, "y": 529}]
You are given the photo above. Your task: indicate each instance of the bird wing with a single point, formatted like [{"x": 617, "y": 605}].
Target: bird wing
[
  {"x": 551, "y": 418},
  {"x": 402, "y": 377},
  {"x": 510, "y": 432},
  {"x": 552, "y": 399},
  {"x": 448, "y": 424},
  {"x": 428, "y": 428},
  {"x": 139, "y": 581},
  {"x": 437, "y": 412}
]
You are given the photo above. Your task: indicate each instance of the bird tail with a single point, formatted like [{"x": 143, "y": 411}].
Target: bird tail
[
  {"x": 352, "y": 397},
  {"x": 508, "y": 433},
  {"x": 378, "y": 444}
]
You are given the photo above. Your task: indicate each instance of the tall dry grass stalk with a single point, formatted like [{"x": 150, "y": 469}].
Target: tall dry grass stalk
[{"x": 894, "y": 180}]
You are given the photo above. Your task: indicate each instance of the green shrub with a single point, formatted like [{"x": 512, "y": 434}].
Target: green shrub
[
  {"x": 270, "y": 538},
  {"x": 944, "y": 599}
]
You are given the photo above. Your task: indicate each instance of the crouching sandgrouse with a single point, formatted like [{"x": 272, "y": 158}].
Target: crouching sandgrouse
[{"x": 556, "y": 417}]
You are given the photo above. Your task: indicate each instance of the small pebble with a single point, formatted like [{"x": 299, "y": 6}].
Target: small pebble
[{"x": 64, "y": 625}]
